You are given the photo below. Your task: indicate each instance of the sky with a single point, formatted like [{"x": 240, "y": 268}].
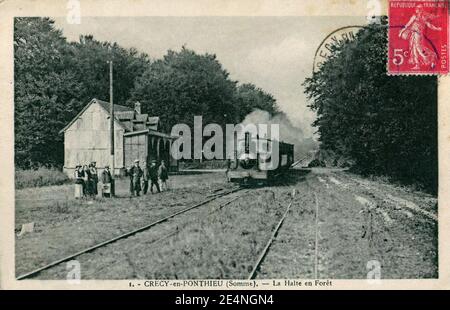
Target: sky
[{"x": 274, "y": 53}]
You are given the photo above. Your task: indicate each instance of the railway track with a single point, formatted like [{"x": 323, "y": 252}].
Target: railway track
[
  {"x": 272, "y": 238},
  {"x": 136, "y": 231}
]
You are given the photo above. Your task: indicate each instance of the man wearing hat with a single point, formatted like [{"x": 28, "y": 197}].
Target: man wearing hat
[
  {"x": 106, "y": 182},
  {"x": 153, "y": 172},
  {"x": 163, "y": 175},
  {"x": 94, "y": 176},
  {"x": 136, "y": 175},
  {"x": 145, "y": 177}
]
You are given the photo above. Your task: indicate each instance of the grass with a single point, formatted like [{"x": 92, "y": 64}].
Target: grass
[
  {"x": 40, "y": 177},
  {"x": 64, "y": 225},
  {"x": 226, "y": 243},
  {"x": 221, "y": 244}
]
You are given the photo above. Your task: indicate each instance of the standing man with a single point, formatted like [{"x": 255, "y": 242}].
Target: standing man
[
  {"x": 130, "y": 175},
  {"x": 136, "y": 175},
  {"x": 94, "y": 176},
  {"x": 106, "y": 182},
  {"x": 87, "y": 181},
  {"x": 163, "y": 175},
  {"x": 153, "y": 172},
  {"x": 145, "y": 177}
]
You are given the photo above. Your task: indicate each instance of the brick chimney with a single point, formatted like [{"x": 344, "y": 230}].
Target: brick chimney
[{"x": 137, "y": 107}]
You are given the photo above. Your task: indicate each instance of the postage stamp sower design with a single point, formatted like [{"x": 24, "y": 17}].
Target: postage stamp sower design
[{"x": 418, "y": 37}]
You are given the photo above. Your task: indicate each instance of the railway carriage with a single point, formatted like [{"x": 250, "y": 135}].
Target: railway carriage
[{"x": 251, "y": 158}]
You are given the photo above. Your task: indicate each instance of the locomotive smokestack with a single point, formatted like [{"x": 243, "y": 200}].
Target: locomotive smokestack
[{"x": 247, "y": 142}]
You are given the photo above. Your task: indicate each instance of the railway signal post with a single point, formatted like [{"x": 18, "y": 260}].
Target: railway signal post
[{"x": 111, "y": 112}]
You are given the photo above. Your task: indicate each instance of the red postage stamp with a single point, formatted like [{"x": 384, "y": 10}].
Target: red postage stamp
[{"x": 418, "y": 37}]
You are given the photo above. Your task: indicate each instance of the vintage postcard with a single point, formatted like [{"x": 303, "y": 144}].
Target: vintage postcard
[{"x": 241, "y": 145}]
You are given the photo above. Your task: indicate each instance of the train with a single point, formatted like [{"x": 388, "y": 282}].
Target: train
[{"x": 252, "y": 155}]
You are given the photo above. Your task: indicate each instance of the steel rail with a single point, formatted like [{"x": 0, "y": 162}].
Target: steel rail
[
  {"x": 125, "y": 235},
  {"x": 269, "y": 243},
  {"x": 316, "y": 239},
  {"x": 178, "y": 229}
]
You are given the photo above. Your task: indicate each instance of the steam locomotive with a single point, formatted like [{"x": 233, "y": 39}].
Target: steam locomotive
[{"x": 254, "y": 159}]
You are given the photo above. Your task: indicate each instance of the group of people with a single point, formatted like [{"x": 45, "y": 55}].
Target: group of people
[
  {"x": 140, "y": 177},
  {"x": 86, "y": 180}
]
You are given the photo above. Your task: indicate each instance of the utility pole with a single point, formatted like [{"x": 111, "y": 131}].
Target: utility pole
[{"x": 111, "y": 113}]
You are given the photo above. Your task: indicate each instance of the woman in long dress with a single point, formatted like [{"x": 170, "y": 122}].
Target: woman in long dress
[
  {"x": 79, "y": 182},
  {"x": 414, "y": 31}
]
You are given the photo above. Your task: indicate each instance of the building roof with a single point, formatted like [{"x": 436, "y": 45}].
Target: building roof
[
  {"x": 141, "y": 117},
  {"x": 153, "y": 120},
  {"x": 105, "y": 105},
  {"x": 149, "y": 132},
  {"x": 128, "y": 125},
  {"x": 125, "y": 116},
  {"x": 117, "y": 107}
]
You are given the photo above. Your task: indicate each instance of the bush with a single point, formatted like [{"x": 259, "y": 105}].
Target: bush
[
  {"x": 316, "y": 163},
  {"x": 40, "y": 177},
  {"x": 206, "y": 164}
]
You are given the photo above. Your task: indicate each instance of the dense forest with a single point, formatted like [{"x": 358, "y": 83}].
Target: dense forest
[
  {"x": 386, "y": 124},
  {"x": 55, "y": 79}
]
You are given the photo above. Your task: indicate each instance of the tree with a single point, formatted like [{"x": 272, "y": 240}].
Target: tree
[
  {"x": 249, "y": 97},
  {"x": 55, "y": 79},
  {"x": 89, "y": 63},
  {"x": 387, "y": 124},
  {"x": 184, "y": 84},
  {"x": 44, "y": 91}
]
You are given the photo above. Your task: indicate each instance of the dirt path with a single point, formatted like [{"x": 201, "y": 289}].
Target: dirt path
[{"x": 361, "y": 223}]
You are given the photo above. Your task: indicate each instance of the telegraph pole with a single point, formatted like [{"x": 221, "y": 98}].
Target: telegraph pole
[{"x": 111, "y": 113}]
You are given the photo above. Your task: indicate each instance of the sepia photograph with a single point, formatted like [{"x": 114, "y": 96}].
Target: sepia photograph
[{"x": 228, "y": 151}]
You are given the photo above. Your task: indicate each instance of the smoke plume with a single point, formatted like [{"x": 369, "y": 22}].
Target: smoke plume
[{"x": 288, "y": 132}]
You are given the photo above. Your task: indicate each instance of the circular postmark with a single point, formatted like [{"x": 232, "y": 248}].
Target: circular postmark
[{"x": 337, "y": 37}]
